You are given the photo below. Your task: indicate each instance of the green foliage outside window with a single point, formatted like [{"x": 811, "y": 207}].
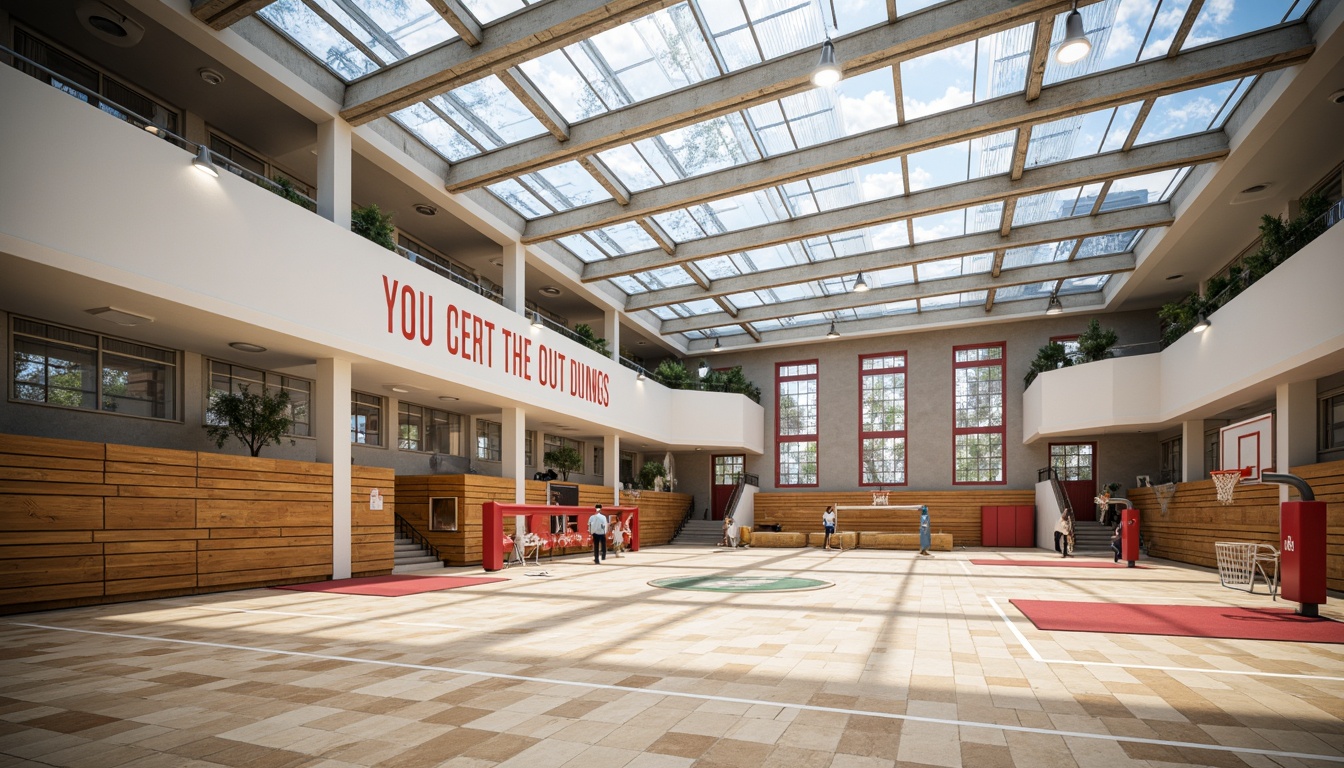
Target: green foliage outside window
[
  {"x": 255, "y": 420},
  {"x": 373, "y": 225},
  {"x": 563, "y": 460}
]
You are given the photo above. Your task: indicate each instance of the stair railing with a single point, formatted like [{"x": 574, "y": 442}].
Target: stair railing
[
  {"x": 407, "y": 531},
  {"x": 1061, "y": 498},
  {"x": 686, "y": 518}
]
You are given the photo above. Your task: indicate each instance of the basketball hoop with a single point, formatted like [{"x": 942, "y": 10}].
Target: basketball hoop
[
  {"x": 880, "y": 498},
  {"x": 1225, "y": 481},
  {"x": 1164, "y": 494}
]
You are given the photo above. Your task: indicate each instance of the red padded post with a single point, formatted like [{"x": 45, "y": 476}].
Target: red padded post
[
  {"x": 1129, "y": 535},
  {"x": 1302, "y": 554}
]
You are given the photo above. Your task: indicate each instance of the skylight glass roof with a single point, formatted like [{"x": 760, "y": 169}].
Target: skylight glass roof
[{"x": 793, "y": 159}]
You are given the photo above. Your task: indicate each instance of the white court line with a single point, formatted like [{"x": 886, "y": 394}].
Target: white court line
[
  {"x": 198, "y": 607},
  {"x": 706, "y": 697},
  {"x": 1036, "y": 656},
  {"x": 964, "y": 567}
]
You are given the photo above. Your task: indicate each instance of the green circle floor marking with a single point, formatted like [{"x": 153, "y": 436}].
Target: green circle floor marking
[{"x": 741, "y": 583}]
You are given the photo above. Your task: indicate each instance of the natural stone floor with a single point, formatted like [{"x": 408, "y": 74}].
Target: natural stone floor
[{"x": 906, "y": 661}]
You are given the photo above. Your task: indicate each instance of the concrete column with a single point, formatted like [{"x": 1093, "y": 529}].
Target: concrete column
[
  {"x": 333, "y": 171},
  {"x": 331, "y": 428},
  {"x": 515, "y": 278},
  {"x": 1192, "y": 451},
  {"x": 611, "y": 465},
  {"x": 611, "y": 330},
  {"x": 513, "y": 457},
  {"x": 1294, "y": 427}
]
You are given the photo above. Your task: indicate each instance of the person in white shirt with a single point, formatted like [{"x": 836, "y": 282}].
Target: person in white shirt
[
  {"x": 828, "y": 523},
  {"x": 597, "y": 526},
  {"x": 618, "y": 530}
]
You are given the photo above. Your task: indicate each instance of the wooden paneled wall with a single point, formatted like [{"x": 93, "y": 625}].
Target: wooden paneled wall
[
  {"x": 1195, "y": 519},
  {"x": 659, "y": 513},
  {"x": 85, "y": 523},
  {"x": 954, "y": 512}
]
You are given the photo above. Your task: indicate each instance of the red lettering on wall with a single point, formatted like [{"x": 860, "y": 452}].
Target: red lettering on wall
[{"x": 390, "y": 292}]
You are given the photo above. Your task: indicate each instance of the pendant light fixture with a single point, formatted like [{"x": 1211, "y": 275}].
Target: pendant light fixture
[
  {"x": 204, "y": 164},
  {"x": 828, "y": 72},
  {"x": 536, "y": 319},
  {"x": 860, "y": 285},
  {"x": 717, "y": 345},
  {"x": 832, "y": 334},
  {"x": 1075, "y": 45},
  {"x": 1201, "y": 324},
  {"x": 1054, "y": 308}
]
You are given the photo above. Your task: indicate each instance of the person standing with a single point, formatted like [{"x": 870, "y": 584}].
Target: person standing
[
  {"x": 1064, "y": 534},
  {"x": 1115, "y": 543},
  {"x": 617, "y": 535},
  {"x": 828, "y": 524},
  {"x": 925, "y": 532},
  {"x": 597, "y": 526}
]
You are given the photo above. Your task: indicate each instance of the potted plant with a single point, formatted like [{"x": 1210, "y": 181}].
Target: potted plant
[
  {"x": 563, "y": 460},
  {"x": 373, "y": 225},
  {"x": 1048, "y": 358},
  {"x": 591, "y": 340},
  {"x": 649, "y": 474},
  {"x": 255, "y": 420}
]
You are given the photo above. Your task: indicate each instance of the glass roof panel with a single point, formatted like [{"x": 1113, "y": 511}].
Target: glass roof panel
[
  {"x": 405, "y": 26},
  {"x": 700, "y": 148},
  {"x": 564, "y": 88},
  {"x": 1022, "y": 292},
  {"x": 952, "y": 300},
  {"x": 487, "y": 11},
  {"x": 629, "y": 284},
  {"x": 1081, "y": 135},
  {"x": 903, "y": 275},
  {"x": 623, "y": 238},
  {"x": 583, "y": 248},
  {"x": 1059, "y": 204},
  {"x": 489, "y": 112},
  {"x": 630, "y": 167},
  {"x": 441, "y": 136},
  {"x": 663, "y": 313},
  {"x": 1083, "y": 284},
  {"x": 1043, "y": 253},
  {"x": 938, "y": 167},
  {"x": 646, "y": 57},
  {"x": 1119, "y": 30},
  {"x": 1190, "y": 112},
  {"x": 666, "y": 277},
  {"x": 886, "y": 310},
  {"x": 964, "y": 221},
  {"x": 1103, "y": 245},
  {"x": 323, "y": 42},
  {"x": 866, "y": 101},
  {"x": 718, "y": 267},
  {"x": 739, "y": 212},
  {"x": 696, "y": 308},
  {"x": 974, "y": 264},
  {"x": 766, "y": 259},
  {"x": 520, "y": 199},
  {"x": 567, "y": 186},
  {"x": 679, "y": 225},
  {"x": 938, "y": 81},
  {"x": 1221, "y": 20},
  {"x": 1141, "y": 190}
]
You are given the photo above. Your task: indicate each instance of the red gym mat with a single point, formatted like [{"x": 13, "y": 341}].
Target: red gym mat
[
  {"x": 1181, "y": 620},
  {"x": 1060, "y": 563},
  {"x": 390, "y": 586}
]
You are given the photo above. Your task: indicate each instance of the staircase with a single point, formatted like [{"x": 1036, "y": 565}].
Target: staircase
[
  {"x": 412, "y": 558},
  {"x": 1091, "y": 537},
  {"x": 700, "y": 533}
]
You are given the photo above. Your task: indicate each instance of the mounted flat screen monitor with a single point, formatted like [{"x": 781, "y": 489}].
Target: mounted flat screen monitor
[{"x": 563, "y": 495}]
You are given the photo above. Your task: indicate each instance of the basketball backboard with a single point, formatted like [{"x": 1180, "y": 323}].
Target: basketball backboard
[{"x": 1248, "y": 445}]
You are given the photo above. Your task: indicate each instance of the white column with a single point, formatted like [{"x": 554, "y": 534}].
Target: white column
[
  {"x": 515, "y": 278},
  {"x": 513, "y": 458},
  {"x": 333, "y": 171},
  {"x": 1294, "y": 427},
  {"x": 611, "y": 330},
  {"x": 1192, "y": 451},
  {"x": 331, "y": 428},
  {"x": 611, "y": 465}
]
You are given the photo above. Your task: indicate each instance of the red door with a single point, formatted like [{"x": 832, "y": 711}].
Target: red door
[
  {"x": 727, "y": 469},
  {"x": 1075, "y": 465}
]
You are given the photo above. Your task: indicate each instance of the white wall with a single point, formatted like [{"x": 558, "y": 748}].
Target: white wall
[
  {"x": 1288, "y": 326},
  {"x": 92, "y": 196}
]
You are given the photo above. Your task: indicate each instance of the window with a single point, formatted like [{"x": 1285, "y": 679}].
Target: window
[
  {"x": 429, "y": 430},
  {"x": 627, "y": 467},
  {"x": 530, "y": 448},
  {"x": 796, "y": 423},
  {"x": 1212, "y": 438},
  {"x": 882, "y": 419},
  {"x": 1331, "y": 427},
  {"x": 489, "y": 440},
  {"x": 226, "y": 377},
  {"x": 978, "y": 420},
  {"x": 1072, "y": 461},
  {"x": 65, "y": 367},
  {"x": 599, "y": 461},
  {"x": 1070, "y": 344},
  {"x": 1171, "y": 461},
  {"x": 443, "y": 513},
  {"x": 556, "y": 442},
  {"x": 366, "y": 419}
]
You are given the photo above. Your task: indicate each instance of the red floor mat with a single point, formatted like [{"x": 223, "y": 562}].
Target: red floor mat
[
  {"x": 1060, "y": 563},
  {"x": 390, "y": 586},
  {"x": 1181, "y": 620}
]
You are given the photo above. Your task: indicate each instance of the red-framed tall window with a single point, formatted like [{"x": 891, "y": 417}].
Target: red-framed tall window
[
  {"x": 1070, "y": 344},
  {"x": 882, "y": 419},
  {"x": 796, "y": 423},
  {"x": 978, "y": 421}
]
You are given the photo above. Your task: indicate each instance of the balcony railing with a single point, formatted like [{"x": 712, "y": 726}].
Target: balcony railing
[{"x": 467, "y": 281}]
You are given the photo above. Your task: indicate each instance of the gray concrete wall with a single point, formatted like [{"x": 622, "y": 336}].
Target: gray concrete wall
[{"x": 929, "y": 402}]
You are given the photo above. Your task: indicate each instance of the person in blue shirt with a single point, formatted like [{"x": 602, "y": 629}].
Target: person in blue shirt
[
  {"x": 925, "y": 532},
  {"x": 597, "y": 526}
]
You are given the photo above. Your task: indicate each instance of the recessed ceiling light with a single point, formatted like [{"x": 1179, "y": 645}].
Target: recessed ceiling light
[
  {"x": 1253, "y": 189},
  {"x": 448, "y": 398},
  {"x": 1337, "y": 97},
  {"x": 243, "y": 346},
  {"x": 641, "y": 343},
  {"x": 497, "y": 262},
  {"x": 109, "y": 25},
  {"x": 1176, "y": 276},
  {"x": 550, "y": 290},
  {"x": 425, "y": 209},
  {"x": 119, "y": 316},
  {"x": 1254, "y": 192},
  {"x": 400, "y": 389},
  {"x": 210, "y": 76}
]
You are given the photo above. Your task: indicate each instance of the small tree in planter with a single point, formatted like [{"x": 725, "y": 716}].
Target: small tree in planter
[
  {"x": 373, "y": 225},
  {"x": 591, "y": 339},
  {"x": 1095, "y": 343},
  {"x": 649, "y": 474},
  {"x": 563, "y": 460},
  {"x": 672, "y": 374},
  {"x": 256, "y": 420},
  {"x": 1048, "y": 358}
]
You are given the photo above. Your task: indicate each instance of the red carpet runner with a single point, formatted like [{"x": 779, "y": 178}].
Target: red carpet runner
[
  {"x": 1060, "y": 563},
  {"x": 1181, "y": 620},
  {"x": 390, "y": 586}
]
